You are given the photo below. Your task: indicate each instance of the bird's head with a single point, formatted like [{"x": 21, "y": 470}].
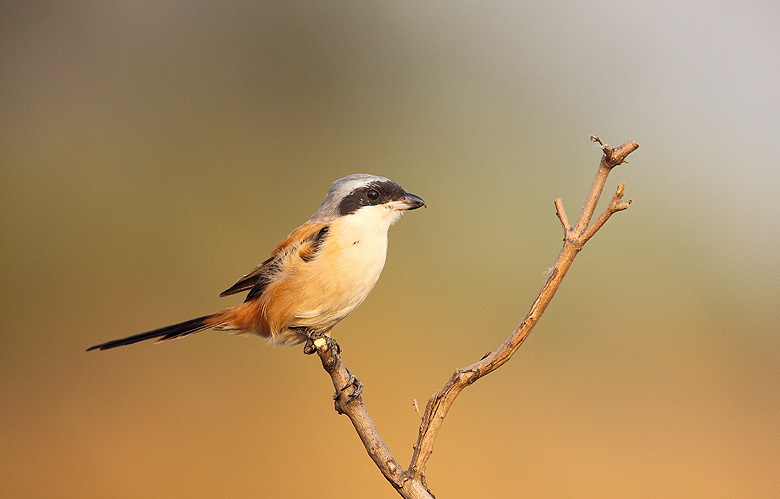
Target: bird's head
[{"x": 367, "y": 196}]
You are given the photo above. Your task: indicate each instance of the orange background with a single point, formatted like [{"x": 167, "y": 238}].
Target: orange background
[{"x": 153, "y": 153}]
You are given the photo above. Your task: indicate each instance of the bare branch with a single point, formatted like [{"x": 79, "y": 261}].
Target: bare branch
[
  {"x": 441, "y": 401},
  {"x": 411, "y": 483},
  {"x": 356, "y": 411},
  {"x": 614, "y": 206},
  {"x": 562, "y": 217},
  {"x": 348, "y": 401}
]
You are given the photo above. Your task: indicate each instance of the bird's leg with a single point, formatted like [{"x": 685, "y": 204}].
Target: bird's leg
[{"x": 310, "y": 348}]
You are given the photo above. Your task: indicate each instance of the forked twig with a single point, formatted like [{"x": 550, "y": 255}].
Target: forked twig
[{"x": 411, "y": 483}]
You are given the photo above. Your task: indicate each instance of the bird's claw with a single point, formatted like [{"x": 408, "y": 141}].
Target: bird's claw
[
  {"x": 357, "y": 389},
  {"x": 333, "y": 345},
  {"x": 309, "y": 347}
]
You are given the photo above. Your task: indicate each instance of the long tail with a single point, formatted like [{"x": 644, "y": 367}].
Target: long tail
[{"x": 168, "y": 332}]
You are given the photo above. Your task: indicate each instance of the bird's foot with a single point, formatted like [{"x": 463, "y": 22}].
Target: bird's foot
[
  {"x": 311, "y": 337},
  {"x": 308, "y": 347},
  {"x": 357, "y": 389}
]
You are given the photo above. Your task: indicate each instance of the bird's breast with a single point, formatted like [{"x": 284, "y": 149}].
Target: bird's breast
[
  {"x": 318, "y": 293},
  {"x": 352, "y": 258},
  {"x": 342, "y": 274}
]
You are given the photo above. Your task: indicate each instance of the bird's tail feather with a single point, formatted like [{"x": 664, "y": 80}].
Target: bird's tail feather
[{"x": 168, "y": 332}]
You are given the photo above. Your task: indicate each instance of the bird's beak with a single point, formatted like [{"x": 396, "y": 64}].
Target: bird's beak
[{"x": 408, "y": 202}]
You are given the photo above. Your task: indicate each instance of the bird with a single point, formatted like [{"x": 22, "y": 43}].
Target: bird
[{"x": 316, "y": 276}]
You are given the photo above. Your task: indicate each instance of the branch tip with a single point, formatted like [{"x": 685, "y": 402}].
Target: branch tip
[
  {"x": 616, "y": 156},
  {"x": 561, "y": 213}
]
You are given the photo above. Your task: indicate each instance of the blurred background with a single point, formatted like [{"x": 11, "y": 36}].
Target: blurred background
[{"x": 152, "y": 153}]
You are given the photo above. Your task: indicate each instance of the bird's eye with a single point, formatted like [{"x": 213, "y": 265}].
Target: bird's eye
[{"x": 373, "y": 195}]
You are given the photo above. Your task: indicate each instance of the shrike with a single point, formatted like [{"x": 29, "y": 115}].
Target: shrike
[{"x": 316, "y": 276}]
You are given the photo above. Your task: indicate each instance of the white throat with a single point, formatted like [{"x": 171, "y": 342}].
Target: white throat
[{"x": 362, "y": 238}]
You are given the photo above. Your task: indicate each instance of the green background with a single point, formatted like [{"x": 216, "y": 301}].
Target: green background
[{"x": 152, "y": 153}]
